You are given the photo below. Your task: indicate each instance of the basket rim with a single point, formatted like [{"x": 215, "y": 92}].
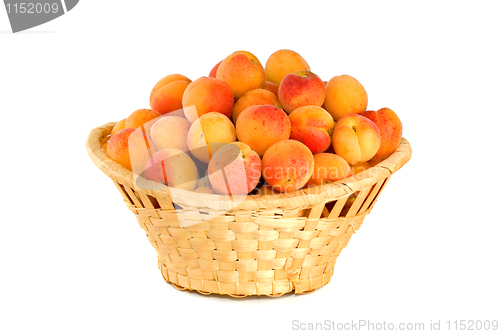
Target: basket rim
[{"x": 290, "y": 200}]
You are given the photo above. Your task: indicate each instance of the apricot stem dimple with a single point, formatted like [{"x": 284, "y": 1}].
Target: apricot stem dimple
[{"x": 354, "y": 128}]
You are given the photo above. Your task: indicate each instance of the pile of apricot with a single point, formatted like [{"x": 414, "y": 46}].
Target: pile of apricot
[{"x": 275, "y": 128}]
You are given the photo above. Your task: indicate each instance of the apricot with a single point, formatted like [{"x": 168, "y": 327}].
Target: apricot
[
  {"x": 209, "y": 133},
  {"x": 234, "y": 169},
  {"x": 323, "y": 105},
  {"x": 283, "y": 62},
  {"x": 299, "y": 89},
  {"x": 142, "y": 119},
  {"x": 206, "y": 95},
  {"x": 131, "y": 148},
  {"x": 119, "y": 126},
  {"x": 170, "y": 132},
  {"x": 204, "y": 190},
  {"x": 328, "y": 168},
  {"x": 254, "y": 97},
  {"x": 345, "y": 95},
  {"x": 355, "y": 138},
  {"x": 266, "y": 190},
  {"x": 391, "y": 131},
  {"x": 272, "y": 87},
  {"x": 169, "y": 97},
  {"x": 312, "y": 126},
  {"x": 213, "y": 72},
  {"x": 348, "y": 204},
  {"x": 358, "y": 168},
  {"x": 252, "y": 57},
  {"x": 287, "y": 165},
  {"x": 165, "y": 81},
  {"x": 242, "y": 71},
  {"x": 203, "y": 181},
  {"x": 261, "y": 126},
  {"x": 173, "y": 168}
]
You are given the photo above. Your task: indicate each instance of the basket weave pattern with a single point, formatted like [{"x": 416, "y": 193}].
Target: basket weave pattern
[{"x": 266, "y": 245}]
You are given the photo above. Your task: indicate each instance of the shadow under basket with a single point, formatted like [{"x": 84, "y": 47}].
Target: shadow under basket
[{"x": 254, "y": 245}]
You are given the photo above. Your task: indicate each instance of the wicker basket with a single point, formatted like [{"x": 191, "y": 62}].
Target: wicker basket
[{"x": 264, "y": 245}]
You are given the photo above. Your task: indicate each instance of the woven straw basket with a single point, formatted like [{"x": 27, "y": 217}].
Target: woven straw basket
[{"x": 264, "y": 245}]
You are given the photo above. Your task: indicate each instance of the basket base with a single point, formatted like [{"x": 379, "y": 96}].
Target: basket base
[{"x": 245, "y": 289}]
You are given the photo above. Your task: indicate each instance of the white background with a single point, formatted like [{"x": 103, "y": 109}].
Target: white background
[{"x": 73, "y": 258}]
